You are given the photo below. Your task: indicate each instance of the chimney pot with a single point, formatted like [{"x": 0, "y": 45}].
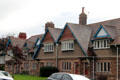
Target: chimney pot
[{"x": 83, "y": 18}]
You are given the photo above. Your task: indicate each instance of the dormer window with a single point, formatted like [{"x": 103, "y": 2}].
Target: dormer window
[
  {"x": 101, "y": 44},
  {"x": 48, "y": 47},
  {"x": 67, "y": 45}
]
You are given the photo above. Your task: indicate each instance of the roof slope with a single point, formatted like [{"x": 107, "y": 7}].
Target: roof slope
[
  {"x": 110, "y": 25},
  {"x": 82, "y": 33},
  {"x": 55, "y": 32},
  {"x": 34, "y": 38},
  {"x": 17, "y": 42},
  {"x": 31, "y": 41}
]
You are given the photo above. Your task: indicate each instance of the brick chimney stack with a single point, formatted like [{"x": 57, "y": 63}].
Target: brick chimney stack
[
  {"x": 49, "y": 24},
  {"x": 22, "y": 35},
  {"x": 83, "y": 17}
]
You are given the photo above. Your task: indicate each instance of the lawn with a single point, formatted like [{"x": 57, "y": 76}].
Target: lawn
[{"x": 27, "y": 77}]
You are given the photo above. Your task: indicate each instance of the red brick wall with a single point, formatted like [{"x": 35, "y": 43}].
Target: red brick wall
[
  {"x": 67, "y": 35},
  {"x": 48, "y": 38}
]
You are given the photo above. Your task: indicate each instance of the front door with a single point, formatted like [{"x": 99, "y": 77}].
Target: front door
[
  {"x": 76, "y": 68},
  {"x": 85, "y": 68}
]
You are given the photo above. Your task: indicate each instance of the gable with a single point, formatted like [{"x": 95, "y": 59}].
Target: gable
[
  {"x": 48, "y": 38},
  {"x": 101, "y": 33},
  {"x": 67, "y": 35}
]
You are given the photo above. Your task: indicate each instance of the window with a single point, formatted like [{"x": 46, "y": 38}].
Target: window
[
  {"x": 34, "y": 66},
  {"x": 66, "y": 66},
  {"x": 26, "y": 66},
  {"x": 101, "y": 44},
  {"x": 49, "y": 47},
  {"x": 103, "y": 66},
  {"x": 10, "y": 52},
  {"x": 67, "y": 45},
  {"x": 49, "y": 64}
]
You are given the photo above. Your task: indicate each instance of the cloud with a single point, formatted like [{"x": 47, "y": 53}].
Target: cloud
[
  {"x": 9, "y": 6},
  {"x": 30, "y": 15}
]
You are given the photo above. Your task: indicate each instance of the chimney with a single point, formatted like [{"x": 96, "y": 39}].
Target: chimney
[
  {"x": 83, "y": 17},
  {"x": 49, "y": 24},
  {"x": 22, "y": 35}
]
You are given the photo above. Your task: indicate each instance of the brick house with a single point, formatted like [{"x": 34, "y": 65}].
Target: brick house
[
  {"x": 15, "y": 63},
  {"x": 14, "y": 55},
  {"x": 30, "y": 65},
  {"x": 2, "y": 52},
  {"x": 87, "y": 49}
]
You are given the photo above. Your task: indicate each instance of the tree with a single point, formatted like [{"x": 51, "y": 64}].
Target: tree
[{"x": 17, "y": 54}]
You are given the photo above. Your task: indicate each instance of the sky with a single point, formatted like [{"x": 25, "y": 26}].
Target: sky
[{"x": 30, "y": 16}]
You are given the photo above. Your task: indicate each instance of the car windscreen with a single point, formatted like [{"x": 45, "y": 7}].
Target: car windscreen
[{"x": 56, "y": 76}]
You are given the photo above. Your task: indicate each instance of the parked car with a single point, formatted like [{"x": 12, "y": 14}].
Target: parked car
[
  {"x": 5, "y": 76},
  {"x": 66, "y": 76}
]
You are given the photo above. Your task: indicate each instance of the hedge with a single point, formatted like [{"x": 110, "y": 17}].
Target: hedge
[{"x": 47, "y": 71}]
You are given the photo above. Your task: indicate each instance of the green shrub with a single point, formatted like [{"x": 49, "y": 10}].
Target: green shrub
[
  {"x": 2, "y": 67},
  {"x": 47, "y": 71}
]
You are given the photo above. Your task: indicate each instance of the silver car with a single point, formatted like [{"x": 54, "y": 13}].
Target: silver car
[
  {"x": 66, "y": 76},
  {"x": 5, "y": 76}
]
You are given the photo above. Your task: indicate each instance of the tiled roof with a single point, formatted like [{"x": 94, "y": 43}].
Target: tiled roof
[
  {"x": 82, "y": 33},
  {"x": 112, "y": 22},
  {"x": 55, "y": 32},
  {"x": 17, "y": 42},
  {"x": 33, "y": 38},
  {"x": 116, "y": 41},
  {"x": 110, "y": 29},
  {"x": 112, "y": 26},
  {"x": 31, "y": 41}
]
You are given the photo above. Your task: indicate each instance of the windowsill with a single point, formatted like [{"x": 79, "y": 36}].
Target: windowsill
[
  {"x": 102, "y": 48},
  {"x": 103, "y": 72},
  {"x": 68, "y": 50},
  {"x": 66, "y": 70},
  {"x": 49, "y": 52}
]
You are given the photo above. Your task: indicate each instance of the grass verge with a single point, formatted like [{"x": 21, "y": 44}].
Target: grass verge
[{"x": 28, "y": 77}]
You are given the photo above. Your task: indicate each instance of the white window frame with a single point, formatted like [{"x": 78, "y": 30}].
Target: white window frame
[
  {"x": 48, "y": 47},
  {"x": 103, "y": 44},
  {"x": 49, "y": 64},
  {"x": 66, "y": 66},
  {"x": 100, "y": 65},
  {"x": 34, "y": 66},
  {"x": 67, "y": 45}
]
